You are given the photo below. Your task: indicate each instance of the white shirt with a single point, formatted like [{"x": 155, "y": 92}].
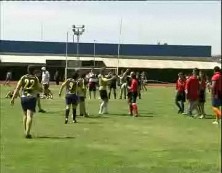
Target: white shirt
[{"x": 45, "y": 77}]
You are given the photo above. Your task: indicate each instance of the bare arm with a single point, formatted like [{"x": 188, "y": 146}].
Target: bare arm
[
  {"x": 213, "y": 87},
  {"x": 125, "y": 73},
  {"x": 17, "y": 89},
  {"x": 62, "y": 87}
]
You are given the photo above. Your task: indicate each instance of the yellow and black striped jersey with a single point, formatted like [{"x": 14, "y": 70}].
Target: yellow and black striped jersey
[
  {"x": 71, "y": 86},
  {"x": 30, "y": 85}
]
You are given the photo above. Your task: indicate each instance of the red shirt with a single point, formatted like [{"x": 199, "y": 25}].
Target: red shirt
[
  {"x": 134, "y": 85},
  {"x": 217, "y": 90},
  {"x": 180, "y": 85},
  {"x": 192, "y": 88}
]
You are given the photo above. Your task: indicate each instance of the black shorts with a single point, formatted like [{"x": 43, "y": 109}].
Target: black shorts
[
  {"x": 103, "y": 94},
  {"x": 202, "y": 96},
  {"x": 92, "y": 87},
  {"x": 112, "y": 86},
  {"x": 28, "y": 103},
  {"x": 71, "y": 99},
  {"x": 181, "y": 96},
  {"x": 134, "y": 97}
]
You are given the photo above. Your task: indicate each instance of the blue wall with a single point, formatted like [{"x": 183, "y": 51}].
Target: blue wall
[{"x": 105, "y": 49}]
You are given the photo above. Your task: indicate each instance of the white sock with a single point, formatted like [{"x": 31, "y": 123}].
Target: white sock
[
  {"x": 101, "y": 107},
  {"x": 105, "y": 108}
]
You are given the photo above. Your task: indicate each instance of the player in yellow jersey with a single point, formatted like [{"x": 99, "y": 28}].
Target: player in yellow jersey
[
  {"x": 103, "y": 82},
  {"x": 71, "y": 96},
  {"x": 30, "y": 86},
  {"x": 82, "y": 95}
]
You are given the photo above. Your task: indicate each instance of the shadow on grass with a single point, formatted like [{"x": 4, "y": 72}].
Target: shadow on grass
[
  {"x": 99, "y": 116},
  {"x": 145, "y": 115},
  {"x": 79, "y": 122},
  {"x": 209, "y": 117},
  {"x": 51, "y": 112},
  {"x": 54, "y": 137}
]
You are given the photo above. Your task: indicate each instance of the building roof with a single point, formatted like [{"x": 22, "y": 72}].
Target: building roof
[{"x": 111, "y": 62}]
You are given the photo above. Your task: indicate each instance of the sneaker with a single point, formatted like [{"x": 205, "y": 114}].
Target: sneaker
[
  {"x": 202, "y": 117},
  {"x": 42, "y": 111},
  {"x": 184, "y": 113},
  {"x": 215, "y": 122},
  {"x": 74, "y": 121},
  {"x": 66, "y": 121},
  {"x": 28, "y": 136}
]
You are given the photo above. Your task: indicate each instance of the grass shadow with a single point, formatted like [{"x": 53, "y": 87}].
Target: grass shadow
[
  {"x": 98, "y": 116},
  {"x": 55, "y": 137},
  {"x": 145, "y": 115},
  {"x": 89, "y": 122},
  {"x": 209, "y": 117}
]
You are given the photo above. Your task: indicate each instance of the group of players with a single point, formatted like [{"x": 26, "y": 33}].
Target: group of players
[
  {"x": 75, "y": 87},
  {"x": 193, "y": 89}
]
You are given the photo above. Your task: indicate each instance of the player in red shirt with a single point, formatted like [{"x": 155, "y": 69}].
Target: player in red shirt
[
  {"x": 216, "y": 93},
  {"x": 192, "y": 92},
  {"x": 133, "y": 90},
  {"x": 202, "y": 94},
  {"x": 180, "y": 90}
]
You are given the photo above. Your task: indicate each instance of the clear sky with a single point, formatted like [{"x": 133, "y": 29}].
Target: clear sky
[{"x": 185, "y": 23}]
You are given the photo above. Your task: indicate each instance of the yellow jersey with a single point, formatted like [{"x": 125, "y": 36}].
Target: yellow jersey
[
  {"x": 30, "y": 85},
  {"x": 81, "y": 87},
  {"x": 103, "y": 82},
  {"x": 71, "y": 86}
]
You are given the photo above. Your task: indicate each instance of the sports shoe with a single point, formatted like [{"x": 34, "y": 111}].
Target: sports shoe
[
  {"x": 215, "y": 122},
  {"x": 66, "y": 121},
  {"x": 202, "y": 117},
  {"x": 28, "y": 136},
  {"x": 42, "y": 111},
  {"x": 74, "y": 121},
  {"x": 179, "y": 112}
]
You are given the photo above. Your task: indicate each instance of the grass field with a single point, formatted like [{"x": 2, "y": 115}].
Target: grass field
[{"x": 159, "y": 141}]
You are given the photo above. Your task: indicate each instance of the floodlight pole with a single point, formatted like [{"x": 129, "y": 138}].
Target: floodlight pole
[
  {"x": 120, "y": 32},
  {"x": 94, "y": 53},
  {"x": 78, "y": 30},
  {"x": 67, "y": 39}
]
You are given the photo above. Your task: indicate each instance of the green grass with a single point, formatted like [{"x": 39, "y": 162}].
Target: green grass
[{"x": 158, "y": 141}]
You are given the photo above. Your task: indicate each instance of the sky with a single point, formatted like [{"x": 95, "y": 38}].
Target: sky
[{"x": 143, "y": 22}]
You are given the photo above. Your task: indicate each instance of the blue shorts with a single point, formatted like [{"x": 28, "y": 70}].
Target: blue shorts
[
  {"x": 28, "y": 103},
  {"x": 71, "y": 99},
  {"x": 216, "y": 102}
]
